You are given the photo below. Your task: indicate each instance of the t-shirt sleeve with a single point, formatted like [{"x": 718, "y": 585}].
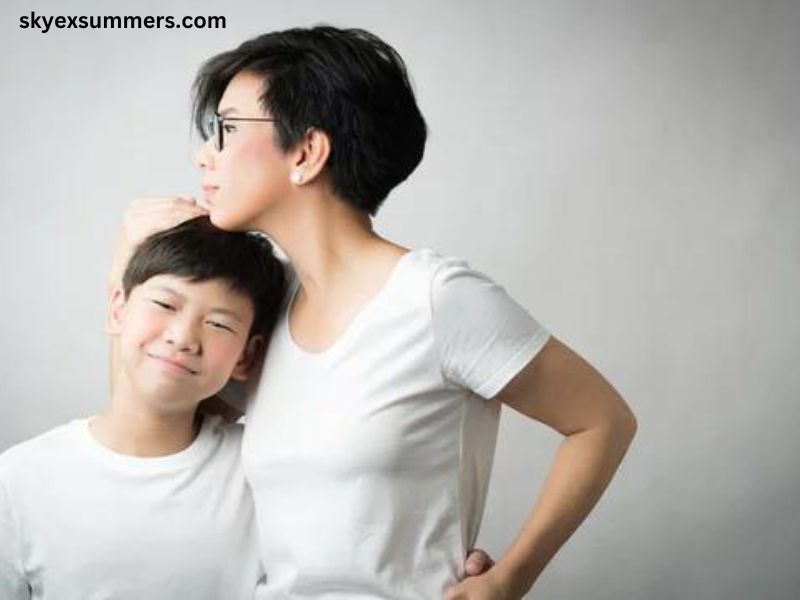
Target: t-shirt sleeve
[
  {"x": 484, "y": 337},
  {"x": 13, "y": 585}
]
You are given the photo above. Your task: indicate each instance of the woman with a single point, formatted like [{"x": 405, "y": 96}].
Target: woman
[{"x": 369, "y": 441}]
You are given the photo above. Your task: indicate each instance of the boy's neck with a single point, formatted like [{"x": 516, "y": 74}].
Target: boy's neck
[{"x": 131, "y": 428}]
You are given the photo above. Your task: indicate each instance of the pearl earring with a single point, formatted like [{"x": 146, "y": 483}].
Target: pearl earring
[{"x": 296, "y": 177}]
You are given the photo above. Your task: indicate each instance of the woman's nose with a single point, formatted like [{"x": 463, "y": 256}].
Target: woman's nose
[{"x": 204, "y": 157}]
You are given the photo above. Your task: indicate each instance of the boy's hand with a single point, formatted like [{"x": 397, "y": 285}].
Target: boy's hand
[{"x": 145, "y": 216}]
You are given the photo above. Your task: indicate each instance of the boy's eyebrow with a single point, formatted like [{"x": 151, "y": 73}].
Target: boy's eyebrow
[
  {"x": 215, "y": 309},
  {"x": 227, "y": 111},
  {"x": 228, "y": 312}
]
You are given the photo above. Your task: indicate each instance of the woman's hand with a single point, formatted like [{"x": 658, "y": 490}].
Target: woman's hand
[
  {"x": 145, "y": 216},
  {"x": 477, "y": 563},
  {"x": 488, "y": 586},
  {"x": 480, "y": 582}
]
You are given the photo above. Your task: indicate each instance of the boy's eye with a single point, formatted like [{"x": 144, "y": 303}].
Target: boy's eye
[
  {"x": 164, "y": 305},
  {"x": 228, "y": 128},
  {"x": 218, "y": 325}
]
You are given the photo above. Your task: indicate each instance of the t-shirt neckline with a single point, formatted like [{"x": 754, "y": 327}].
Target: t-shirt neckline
[
  {"x": 365, "y": 310},
  {"x": 178, "y": 459}
]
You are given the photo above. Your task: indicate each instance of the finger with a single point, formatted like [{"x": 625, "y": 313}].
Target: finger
[
  {"x": 452, "y": 593},
  {"x": 143, "y": 219},
  {"x": 476, "y": 563},
  {"x": 191, "y": 210},
  {"x": 162, "y": 204},
  {"x": 158, "y": 203},
  {"x": 147, "y": 201},
  {"x": 142, "y": 210},
  {"x": 193, "y": 203}
]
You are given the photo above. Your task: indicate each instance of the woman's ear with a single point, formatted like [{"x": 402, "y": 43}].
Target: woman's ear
[
  {"x": 250, "y": 359},
  {"x": 311, "y": 156},
  {"x": 116, "y": 305}
]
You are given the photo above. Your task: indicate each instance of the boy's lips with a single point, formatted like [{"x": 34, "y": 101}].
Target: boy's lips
[{"x": 175, "y": 364}]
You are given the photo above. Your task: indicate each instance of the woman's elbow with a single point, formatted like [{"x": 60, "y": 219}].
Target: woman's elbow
[{"x": 624, "y": 422}]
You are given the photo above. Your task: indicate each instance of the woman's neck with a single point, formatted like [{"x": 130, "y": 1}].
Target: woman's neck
[{"x": 328, "y": 242}]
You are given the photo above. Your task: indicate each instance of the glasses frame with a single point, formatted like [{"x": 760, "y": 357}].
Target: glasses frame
[{"x": 218, "y": 133}]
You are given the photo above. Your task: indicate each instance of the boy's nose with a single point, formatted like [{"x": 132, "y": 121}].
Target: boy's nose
[{"x": 183, "y": 338}]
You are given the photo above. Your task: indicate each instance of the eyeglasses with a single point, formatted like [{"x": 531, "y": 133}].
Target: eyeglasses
[{"x": 216, "y": 125}]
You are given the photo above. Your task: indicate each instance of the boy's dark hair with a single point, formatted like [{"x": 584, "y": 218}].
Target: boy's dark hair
[
  {"x": 198, "y": 251},
  {"x": 346, "y": 82}
]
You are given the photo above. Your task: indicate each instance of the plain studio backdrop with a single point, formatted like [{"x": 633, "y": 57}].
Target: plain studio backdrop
[{"x": 628, "y": 170}]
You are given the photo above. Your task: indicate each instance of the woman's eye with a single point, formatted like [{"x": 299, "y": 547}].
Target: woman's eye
[{"x": 228, "y": 128}]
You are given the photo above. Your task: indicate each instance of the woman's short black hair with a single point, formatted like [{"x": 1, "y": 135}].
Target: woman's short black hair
[
  {"x": 198, "y": 251},
  {"x": 347, "y": 82}
]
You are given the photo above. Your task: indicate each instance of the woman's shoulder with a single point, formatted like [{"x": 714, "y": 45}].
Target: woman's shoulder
[
  {"x": 438, "y": 269},
  {"x": 433, "y": 262}
]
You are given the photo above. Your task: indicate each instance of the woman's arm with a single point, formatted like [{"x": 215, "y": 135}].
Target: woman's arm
[
  {"x": 143, "y": 217},
  {"x": 561, "y": 390}
]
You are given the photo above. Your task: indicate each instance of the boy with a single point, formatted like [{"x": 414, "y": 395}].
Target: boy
[{"x": 148, "y": 500}]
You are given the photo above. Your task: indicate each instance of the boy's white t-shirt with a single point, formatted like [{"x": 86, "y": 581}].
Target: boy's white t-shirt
[
  {"x": 370, "y": 461},
  {"x": 79, "y": 521}
]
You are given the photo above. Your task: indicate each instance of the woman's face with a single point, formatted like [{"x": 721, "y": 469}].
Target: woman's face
[{"x": 250, "y": 174}]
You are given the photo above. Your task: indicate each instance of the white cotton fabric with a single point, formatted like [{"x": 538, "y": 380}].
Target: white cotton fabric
[
  {"x": 79, "y": 521},
  {"x": 370, "y": 461}
]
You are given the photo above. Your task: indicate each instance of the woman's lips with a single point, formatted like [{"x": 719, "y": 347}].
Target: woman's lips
[{"x": 209, "y": 191}]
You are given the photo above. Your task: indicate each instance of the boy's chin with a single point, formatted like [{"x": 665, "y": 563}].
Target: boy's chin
[{"x": 171, "y": 402}]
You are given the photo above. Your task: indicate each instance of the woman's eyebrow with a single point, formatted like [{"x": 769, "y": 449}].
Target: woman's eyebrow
[{"x": 227, "y": 111}]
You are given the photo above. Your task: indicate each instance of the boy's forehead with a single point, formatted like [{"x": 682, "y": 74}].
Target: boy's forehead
[{"x": 213, "y": 292}]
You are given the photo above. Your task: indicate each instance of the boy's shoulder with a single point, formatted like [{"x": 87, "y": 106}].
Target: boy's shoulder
[
  {"x": 229, "y": 435},
  {"x": 42, "y": 450},
  {"x": 69, "y": 446},
  {"x": 219, "y": 426}
]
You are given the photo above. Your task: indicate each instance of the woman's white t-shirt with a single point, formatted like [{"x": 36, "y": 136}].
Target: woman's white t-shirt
[{"x": 370, "y": 461}]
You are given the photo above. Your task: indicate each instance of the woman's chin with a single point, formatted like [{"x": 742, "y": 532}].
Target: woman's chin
[{"x": 219, "y": 218}]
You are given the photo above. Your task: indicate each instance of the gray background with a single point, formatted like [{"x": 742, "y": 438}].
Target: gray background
[{"x": 629, "y": 170}]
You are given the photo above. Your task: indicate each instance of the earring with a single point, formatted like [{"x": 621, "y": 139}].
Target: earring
[{"x": 296, "y": 177}]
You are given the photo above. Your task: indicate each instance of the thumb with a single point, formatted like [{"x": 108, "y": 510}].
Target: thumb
[
  {"x": 476, "y": 564},
  {"x": 200, "y": 204}
]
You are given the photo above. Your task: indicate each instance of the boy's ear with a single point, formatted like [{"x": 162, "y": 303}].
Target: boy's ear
[
  {"x": 116, "y": 303},
  {"x": 250, "y": 359}
]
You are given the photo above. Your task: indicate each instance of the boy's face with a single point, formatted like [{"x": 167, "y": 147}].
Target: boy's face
[{"x": 180, "y": 342}]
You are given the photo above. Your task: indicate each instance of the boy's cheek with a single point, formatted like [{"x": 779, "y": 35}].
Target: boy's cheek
[{"x": 221, "y": 360}]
